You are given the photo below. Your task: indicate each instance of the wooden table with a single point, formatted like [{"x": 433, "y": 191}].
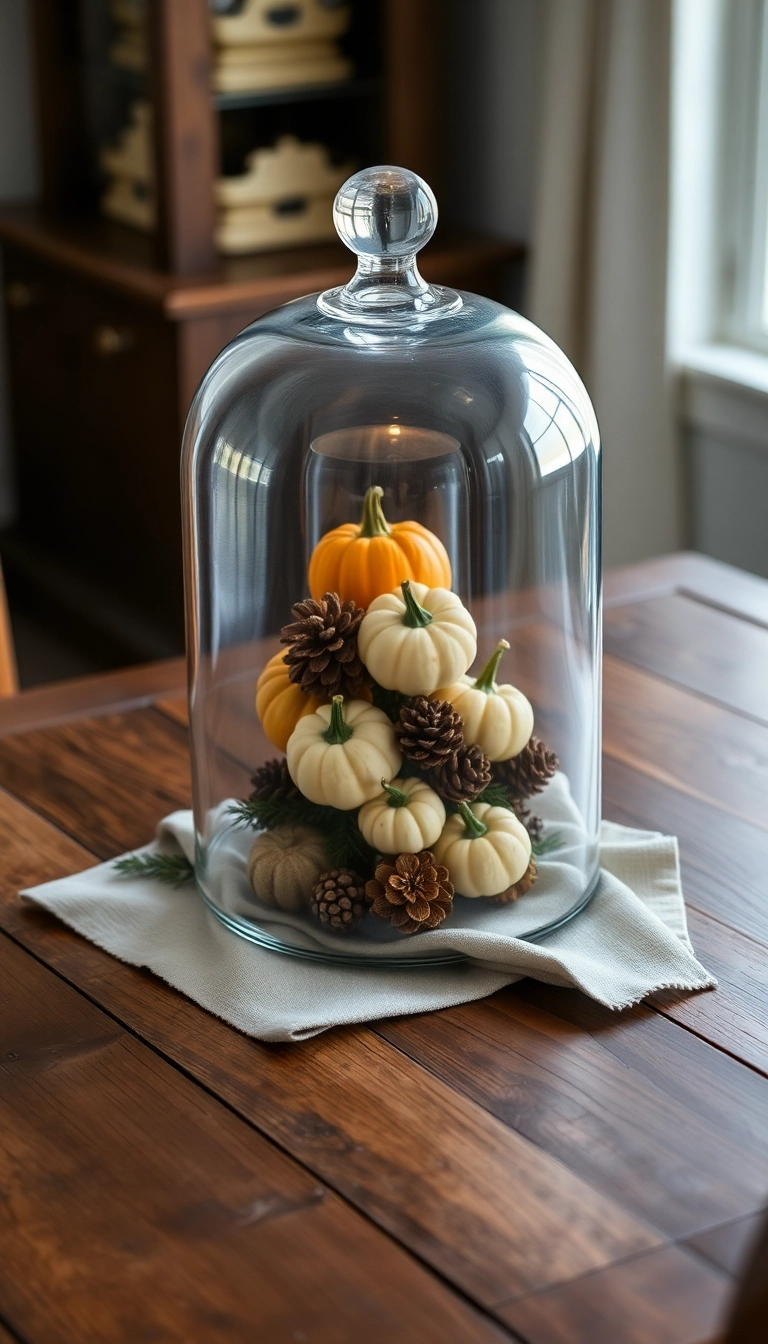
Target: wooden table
[{"x": 532, "y": 1167}]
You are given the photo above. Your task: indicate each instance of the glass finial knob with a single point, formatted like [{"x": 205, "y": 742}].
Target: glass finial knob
[{"x": 385, "y": 212}]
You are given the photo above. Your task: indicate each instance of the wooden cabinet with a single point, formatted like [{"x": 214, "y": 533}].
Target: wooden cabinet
[
  {"x": 93, "y": 377},
  {"x": 110, "y": 330}
]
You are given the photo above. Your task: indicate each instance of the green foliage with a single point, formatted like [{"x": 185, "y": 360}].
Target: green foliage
[
  {"x": 174, "y": 868},
  {"x": 345, "y": 846},
  {"x": 391, "y": 702},
  {"x": 547, "y": 845},
  {"x": 344, "y": 843},
  {"x": 266, "y": 813},
  {"x": 496, "y": 795}
]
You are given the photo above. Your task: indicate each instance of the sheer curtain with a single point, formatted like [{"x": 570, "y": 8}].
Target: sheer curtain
[{"x": 598, "y": 282}]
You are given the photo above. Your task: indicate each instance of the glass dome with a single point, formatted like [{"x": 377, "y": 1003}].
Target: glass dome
[{"x": 392, "y": 493}]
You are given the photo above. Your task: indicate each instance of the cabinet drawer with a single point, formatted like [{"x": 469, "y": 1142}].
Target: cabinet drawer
[{"x": 95, "y": 424}]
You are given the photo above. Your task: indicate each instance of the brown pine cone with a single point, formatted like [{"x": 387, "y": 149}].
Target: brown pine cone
[
  {"x": 322, "y": 657},
  {"x": 338, "y": 899},
  {"x": 533, "y": 824},
  {"x": 273, "y": 781},
  {"x": 517, "y": 889},
  {"x": 429, "y": 732},
  {"x": 464, "y": 775},
  {"x": 412, "y": 893},
  {"x": 528, "y": 772}
]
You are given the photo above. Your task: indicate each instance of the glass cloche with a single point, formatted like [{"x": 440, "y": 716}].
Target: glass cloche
[{"x": 392, "y": 546}]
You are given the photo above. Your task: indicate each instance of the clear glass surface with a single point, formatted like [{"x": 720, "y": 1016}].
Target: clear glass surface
[{"x": 474, "y": 424}]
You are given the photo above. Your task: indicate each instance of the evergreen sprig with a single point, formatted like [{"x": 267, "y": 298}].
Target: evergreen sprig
[
  {"x": 547, "y": 845},
  {"x": 344, "y": 844},
  {"x": 391, "y": 702},
  {"x": 266, "y": 813},
  {"x": 496, "y": 795},
  {"x": 173, "y": 868}
]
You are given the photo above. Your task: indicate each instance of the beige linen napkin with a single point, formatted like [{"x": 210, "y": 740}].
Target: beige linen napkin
[{"x": 630, "y": 941}]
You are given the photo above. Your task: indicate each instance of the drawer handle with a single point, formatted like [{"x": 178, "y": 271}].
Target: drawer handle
[
  {"x": 18, "y": 294},
  {"x": 109, "y": 341}
]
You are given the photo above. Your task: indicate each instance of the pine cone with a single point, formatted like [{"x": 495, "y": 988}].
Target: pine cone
[
  {"x": 338, "y": 899},
  {"x": 517, "y": 889},
  {"x": 272, "y": 781},
  {"x": 464, "y": 775},
  {"x": 528, "y": 772},
  {"x": 533, "y": 824},
  {"x": 323, "y": 657},
  {"x": 429, "y": 732},
  {"x": 413, "y": 893}
]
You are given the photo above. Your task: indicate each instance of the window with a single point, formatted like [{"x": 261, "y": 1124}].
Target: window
[{"x": 743, "y": 178}]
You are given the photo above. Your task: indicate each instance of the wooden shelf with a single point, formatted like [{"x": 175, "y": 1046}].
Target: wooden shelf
[
  {"x": 135, "y": 82},
  {"x": 306, "y": 93},
  {"x": 122, "y": 259}
]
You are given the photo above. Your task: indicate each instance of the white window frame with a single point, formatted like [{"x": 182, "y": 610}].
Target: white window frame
[
  {"x": 711, "y": 327},
  {"x": 742, "y": 279}
]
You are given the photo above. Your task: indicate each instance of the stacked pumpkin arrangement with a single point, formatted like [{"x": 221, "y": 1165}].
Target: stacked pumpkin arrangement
[{"x": 404, "y": 779}]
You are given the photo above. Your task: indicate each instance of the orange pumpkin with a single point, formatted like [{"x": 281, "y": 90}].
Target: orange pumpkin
[
  {"x": 280, "y": 703},
  {"x": 363, "y": 560}
]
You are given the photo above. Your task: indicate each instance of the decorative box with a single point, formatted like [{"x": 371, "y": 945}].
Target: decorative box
[
  {"x": 391, "y": 496},
  {"x": 128, "y": 49},
  {"x": 129, "y": 195},
  {"x": 285, "y": 197},
  {"x": 266, "y": 45}
]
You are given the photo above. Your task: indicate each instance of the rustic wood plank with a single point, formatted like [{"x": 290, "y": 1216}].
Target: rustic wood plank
[
  {"x": 723, "y": 865},
  {"x": 175, "y": 708},
  {"x": 700, "y": 576},
  {"x": 699, "y": 647},
  {"x": 106, "y": 781},
  {"x": 667, "y": 1297},
  {"x": 106, "y": 693},
  {"x": 729, "y": 1245},
  {"x": 724, "y": 860},
  {"x": 139, "y": 1207},
  {"x": 618, "y": 1098},
  {"x": 474, "y": 1199},
  {"x": 683, "y": 740},
  {"x": 735, "y": 1016}
]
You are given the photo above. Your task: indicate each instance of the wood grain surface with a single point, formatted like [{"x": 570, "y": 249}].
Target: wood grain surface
[
  {"x": 668, "y": 1297},
  {"x": 702, "y": 649},
  {"x": 137, "y": 1206},
  {"x": 530, "y": 1167},
  {"x": 335, "y": 1102}
]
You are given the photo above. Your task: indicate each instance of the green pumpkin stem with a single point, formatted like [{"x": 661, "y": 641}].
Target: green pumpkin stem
[
  {"x": 395, "y": 797},
  {"x": 373, "y": 523},
  {"x": 415, "y": 615},
  {"x": 474, "y": 826},
  {"x": 337, "y": 731},
  {"x": 486, "y": 680}
]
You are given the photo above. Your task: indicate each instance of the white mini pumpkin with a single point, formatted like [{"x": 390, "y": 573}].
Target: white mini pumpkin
[
  {"x": 499, "y": 719},
  {"x": 284, "y": 864},
  {"x": 405, "y": 818},
  {"x": 339, "y": 755},
  {"x": 485, "y": 849},
  {"x": 416, "y": 639}
]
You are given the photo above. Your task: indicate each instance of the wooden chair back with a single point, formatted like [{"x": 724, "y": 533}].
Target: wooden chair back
[{"x": 9, "y": 683}]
